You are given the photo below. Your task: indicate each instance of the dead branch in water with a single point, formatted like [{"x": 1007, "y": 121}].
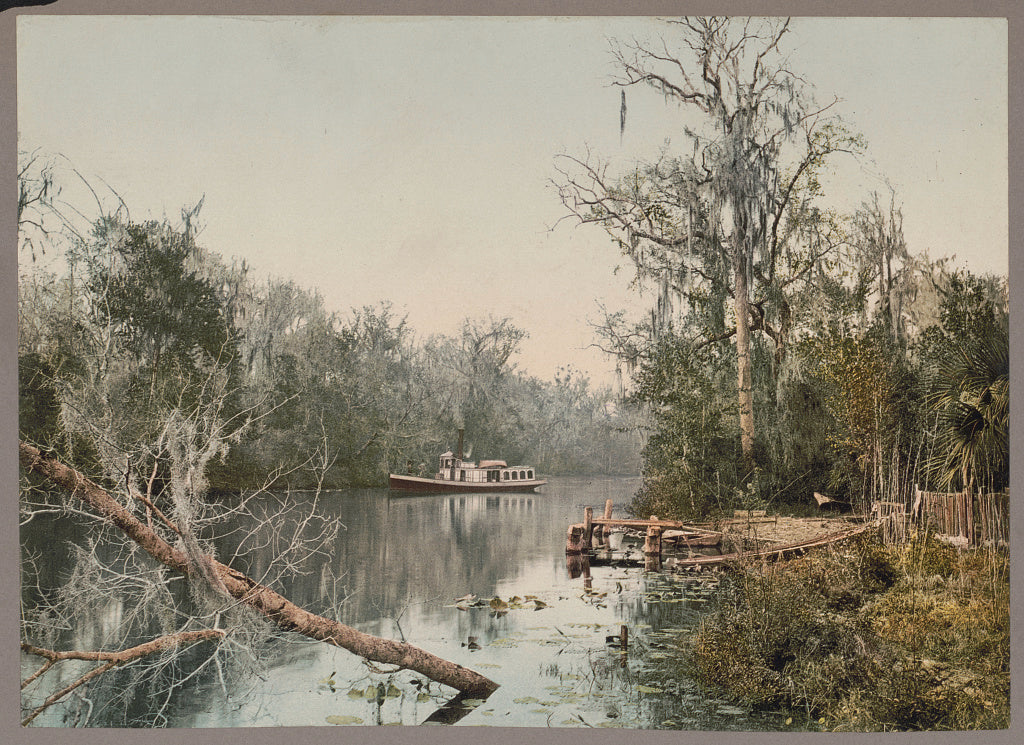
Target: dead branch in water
[
  {"x": 109, "y": 660},
  {"x": 281, "y": 611}
]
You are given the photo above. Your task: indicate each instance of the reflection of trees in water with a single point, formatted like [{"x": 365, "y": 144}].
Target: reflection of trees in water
[
  {"x": 395, "y": 553},
  {"x": 434, "y": 547},
  {"x": 397, "y": 559}
]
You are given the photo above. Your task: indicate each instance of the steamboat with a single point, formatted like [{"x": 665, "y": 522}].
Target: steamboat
[{"x": 455, "y": 474}]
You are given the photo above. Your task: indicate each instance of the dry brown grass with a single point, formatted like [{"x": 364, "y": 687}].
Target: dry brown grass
[{"x": 868, "y": 637}]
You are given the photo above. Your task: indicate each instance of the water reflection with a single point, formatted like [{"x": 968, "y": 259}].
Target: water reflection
[{"x": 396, "y": 569}]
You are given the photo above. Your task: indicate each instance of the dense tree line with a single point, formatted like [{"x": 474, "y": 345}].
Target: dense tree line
[
  {"x": 183, "y": 401},
  {"x": 134, "y": 338},
  {"x": 788, "y": 348}
]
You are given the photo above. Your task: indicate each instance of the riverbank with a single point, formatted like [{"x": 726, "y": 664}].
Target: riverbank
[{"x": 867, "y": 637}]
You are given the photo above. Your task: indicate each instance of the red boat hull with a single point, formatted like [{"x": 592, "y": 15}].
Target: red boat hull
[{"x": 440, "y": 486}]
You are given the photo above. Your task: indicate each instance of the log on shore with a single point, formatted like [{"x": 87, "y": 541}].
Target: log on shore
[{"x": 776, "y": 552}]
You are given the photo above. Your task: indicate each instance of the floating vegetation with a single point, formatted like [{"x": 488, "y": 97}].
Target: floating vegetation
[
  {"x": 598, "y": 682},
  {"x": 344, "y": 719},
  {"x": 499, "y": 606},
  {"x": 731, "y": 710},
  {"x": 648, "y": 689}
]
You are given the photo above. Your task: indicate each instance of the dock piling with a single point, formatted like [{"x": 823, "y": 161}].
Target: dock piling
[
  {"x": 574, "y": 540},
  {"x": 588, "y": 528},
  {"x": 652, "y": 543}
]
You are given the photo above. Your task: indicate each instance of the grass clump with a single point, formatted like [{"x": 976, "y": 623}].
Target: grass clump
[{"x": 867, "y": 637}]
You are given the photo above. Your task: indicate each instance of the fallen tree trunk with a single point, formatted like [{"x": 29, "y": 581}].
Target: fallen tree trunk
[{"x": 285, "y": 614}]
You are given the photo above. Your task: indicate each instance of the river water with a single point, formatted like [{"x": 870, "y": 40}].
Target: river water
[{"x": 400, "y": 564}]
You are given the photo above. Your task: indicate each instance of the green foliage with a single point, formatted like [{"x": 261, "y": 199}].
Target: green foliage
[
  {"x": 867, "y": 391},
  {"x": 146, "y": 284},
  {"x": 691, "y": 459},
  {"x": 146, "y": 331},
  {"x": 966, "y": 362},
  {"x": 38, "y": 401},
  {"x": 867, "y": 638}
]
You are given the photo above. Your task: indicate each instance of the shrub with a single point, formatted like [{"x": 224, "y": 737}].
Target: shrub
[{"x": 867, "y": 637}]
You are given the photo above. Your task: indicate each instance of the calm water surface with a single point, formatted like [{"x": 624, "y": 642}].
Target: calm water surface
[{"x": 400, "y": 564}]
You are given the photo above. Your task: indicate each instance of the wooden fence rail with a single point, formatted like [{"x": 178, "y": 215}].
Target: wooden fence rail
[{"x": 974, "y": 518}]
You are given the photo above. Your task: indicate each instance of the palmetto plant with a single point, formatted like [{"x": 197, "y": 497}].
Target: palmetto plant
[{"x": 970, "y": 393}]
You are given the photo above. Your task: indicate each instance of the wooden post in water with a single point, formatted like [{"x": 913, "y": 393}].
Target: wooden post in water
[
  {"x": 603, "y": 530},
  {"x": 574, "y": 540},
  {"x": 576, "y": 564},
  {"x": 652, "y": 543},
  {"x": 588, "y": 528}
]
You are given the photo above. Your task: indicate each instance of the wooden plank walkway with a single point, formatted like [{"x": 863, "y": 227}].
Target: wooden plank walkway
[
  {"x": 776, "y": 552},
  {"x": 581, "y": 537}
]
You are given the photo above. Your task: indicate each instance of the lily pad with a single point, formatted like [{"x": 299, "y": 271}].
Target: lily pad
[
  {"x": 648, "y": 689},
  {"x": 343, "y": 719},
  {"x": 731, "y": 710}
]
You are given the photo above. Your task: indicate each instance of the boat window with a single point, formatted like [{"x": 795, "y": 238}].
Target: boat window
[
  {"x": 504, "y": 475},
  {"x": 515, "y": 475},
  {"x": 462, "y": 475},
  {"x": 529, "y": 474}
]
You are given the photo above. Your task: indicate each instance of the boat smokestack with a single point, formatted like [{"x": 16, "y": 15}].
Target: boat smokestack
[{"x": 461, "y": 433}]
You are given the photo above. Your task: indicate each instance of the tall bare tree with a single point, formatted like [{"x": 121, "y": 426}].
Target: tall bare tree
[{"x": 730, "y": 216}]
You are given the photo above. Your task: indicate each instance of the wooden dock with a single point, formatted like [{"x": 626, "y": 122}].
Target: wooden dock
[
  {"x": 593, "y": 531},
  {"x": 589, "y": 539}
]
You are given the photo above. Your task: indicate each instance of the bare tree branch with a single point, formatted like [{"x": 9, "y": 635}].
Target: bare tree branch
[
  {"x": 110, "y": 660},
  {"x": 285, "y": 614}
]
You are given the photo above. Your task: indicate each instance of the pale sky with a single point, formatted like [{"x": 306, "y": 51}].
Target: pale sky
[{"x": 409, "y": 159}]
